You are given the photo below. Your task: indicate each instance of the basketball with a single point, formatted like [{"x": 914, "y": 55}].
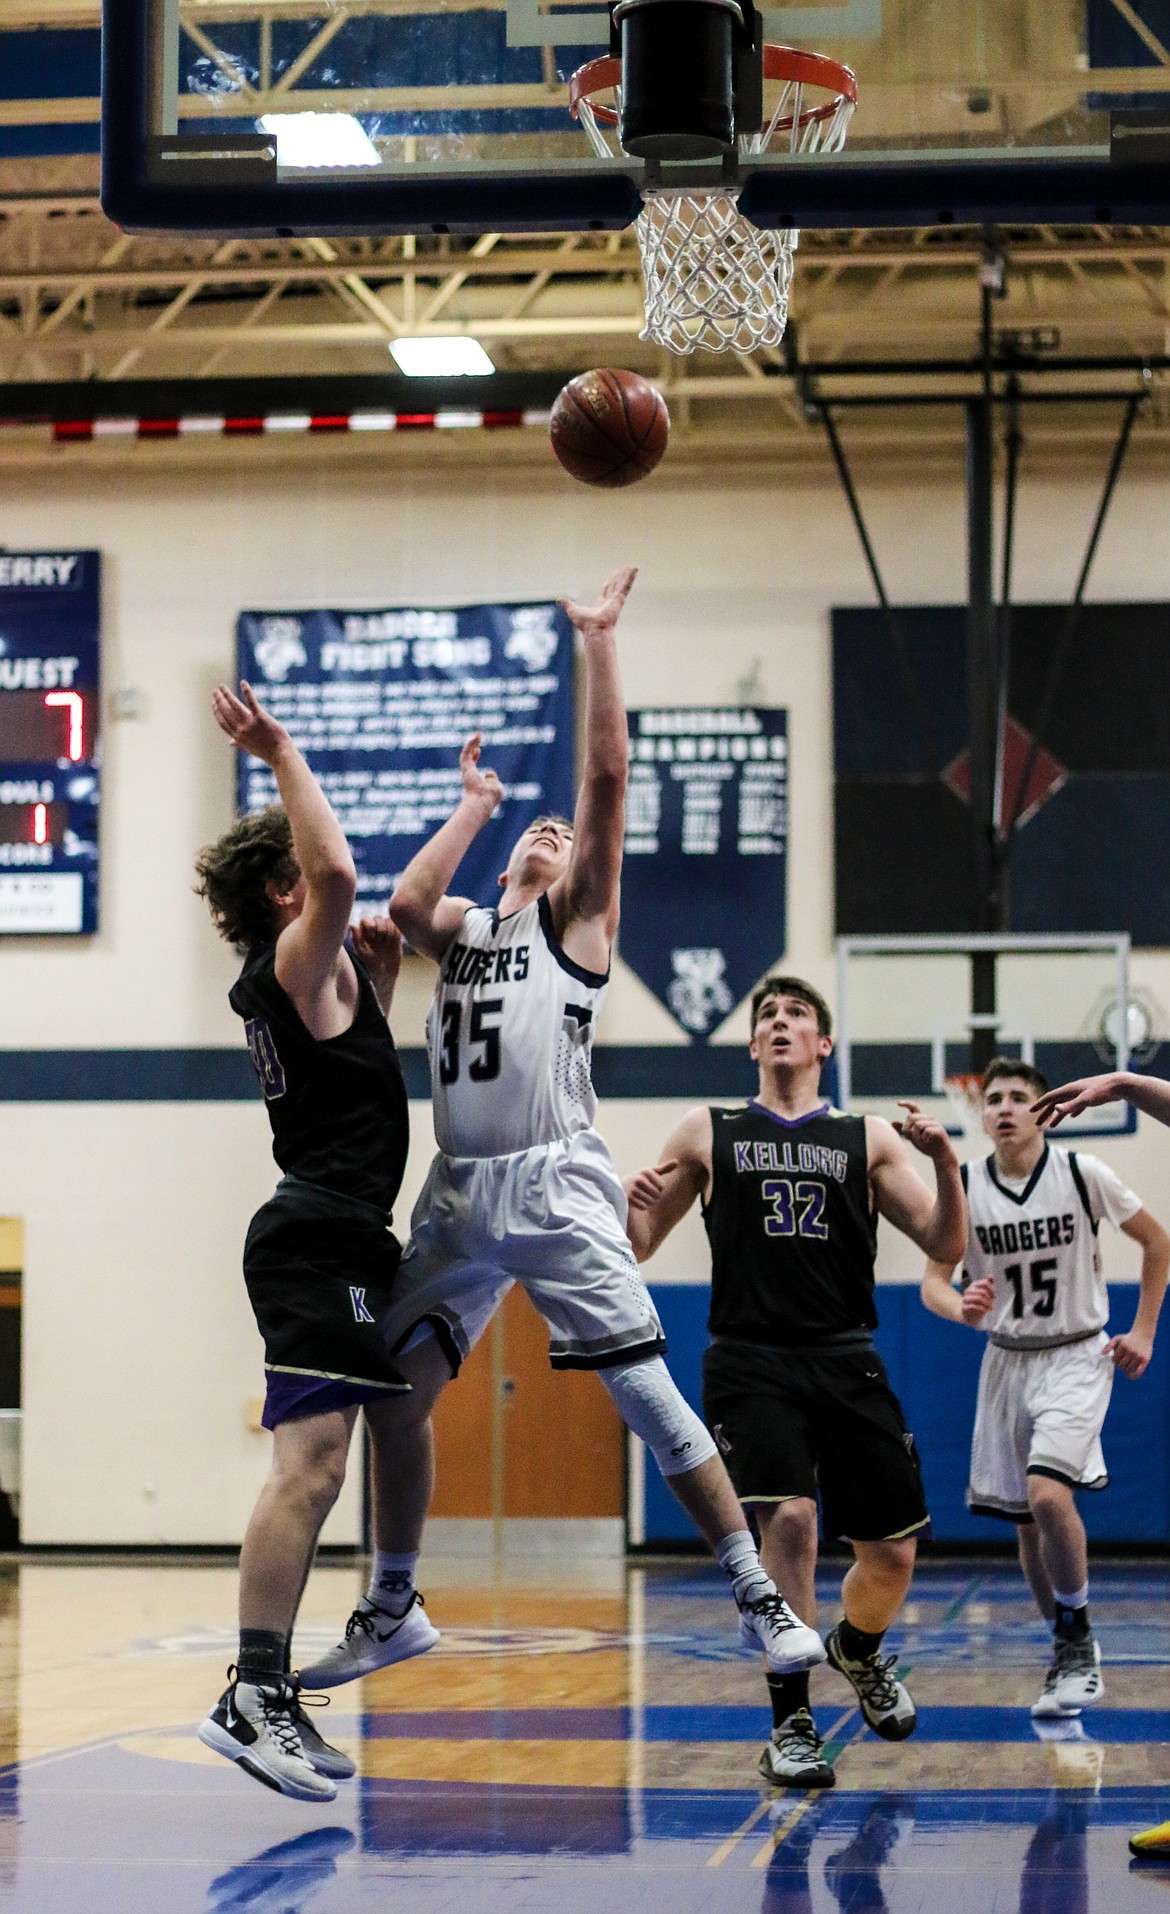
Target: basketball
[{"x": 609, "y": 427}]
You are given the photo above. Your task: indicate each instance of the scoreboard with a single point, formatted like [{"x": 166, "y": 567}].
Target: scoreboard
[{"x": 50, "y": 618}]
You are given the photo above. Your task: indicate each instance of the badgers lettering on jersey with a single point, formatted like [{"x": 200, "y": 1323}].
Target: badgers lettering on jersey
[
  {"x": 1035, "y": 1232},
  {"x": 805, "y": 1158},
  {"x": 466, "y": 966}
]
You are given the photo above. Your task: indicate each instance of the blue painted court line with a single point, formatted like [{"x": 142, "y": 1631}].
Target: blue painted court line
[{"x": 704, "y": 1723}]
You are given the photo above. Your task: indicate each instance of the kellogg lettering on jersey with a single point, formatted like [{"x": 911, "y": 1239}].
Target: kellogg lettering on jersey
[{"x": 805, "y": 1158}]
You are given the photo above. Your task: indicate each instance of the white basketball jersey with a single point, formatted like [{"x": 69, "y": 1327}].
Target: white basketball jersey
[
  {"x": 510, "y": 1036},
  {"x": 1038, "y": 1241}
]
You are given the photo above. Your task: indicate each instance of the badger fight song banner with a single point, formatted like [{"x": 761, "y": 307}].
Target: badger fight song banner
[{"x": 380, "y": 702}]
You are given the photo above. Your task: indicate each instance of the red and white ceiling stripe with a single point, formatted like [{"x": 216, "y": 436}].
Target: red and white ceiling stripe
[{"x": 82, "y": 431}]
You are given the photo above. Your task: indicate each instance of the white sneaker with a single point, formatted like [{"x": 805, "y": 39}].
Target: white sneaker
[
  {"x": 373, "y": 1639},
  {"x": 255, "y": 1726},
  {"x": 1073, "y": 1680},
  {"x": 795, "y": 1755},
  {"x": 769, "y": 1623}
]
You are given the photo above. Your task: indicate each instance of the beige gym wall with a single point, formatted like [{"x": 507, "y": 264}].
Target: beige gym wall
[{"x": 140, "y": 1354}]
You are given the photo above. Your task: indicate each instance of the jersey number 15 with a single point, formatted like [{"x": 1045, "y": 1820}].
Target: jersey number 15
[{"x": 480, "y": 1030}]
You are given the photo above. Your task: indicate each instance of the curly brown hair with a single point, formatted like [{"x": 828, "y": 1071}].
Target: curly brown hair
[{"x": 236, "y": 871}]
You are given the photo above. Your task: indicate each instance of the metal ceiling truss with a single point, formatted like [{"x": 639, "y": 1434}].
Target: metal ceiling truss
[{"x": 81, "y": 301}]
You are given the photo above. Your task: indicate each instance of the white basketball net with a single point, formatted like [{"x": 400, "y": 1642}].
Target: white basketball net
[{"x": 713, "y": 280}]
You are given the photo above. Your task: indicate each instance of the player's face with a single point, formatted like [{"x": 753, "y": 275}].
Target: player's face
[
  {"x": 787, "y": 1035},
  {"x": 1007, "y": 1111},
  {"x": 542, "y": 854}
]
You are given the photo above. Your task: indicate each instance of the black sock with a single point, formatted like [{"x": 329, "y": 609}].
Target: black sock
[
  {"x": 856, "y": 1645},
  {"x": 1071, "y": 1624},
  {"x": 788, "y": 1693},
  {"x": 261, "y": 1656}
]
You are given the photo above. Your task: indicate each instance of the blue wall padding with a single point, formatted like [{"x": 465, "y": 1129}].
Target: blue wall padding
[{"x": 934, "y": 1367}]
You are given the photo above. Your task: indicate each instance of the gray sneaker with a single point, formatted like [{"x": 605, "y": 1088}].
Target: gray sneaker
[
  {"x": 253, "y": 1724},
  {"x": 886, "y": 1705},
  {"x": 373, "y": 1639},
  {"x": 795, "y": 1756},
  {"x": 1073, "y": 1680},
  {"x": 319, "y": 1753}
]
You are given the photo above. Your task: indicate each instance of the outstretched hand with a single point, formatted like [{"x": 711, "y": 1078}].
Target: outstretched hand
[
  {"x": 484, "y": 785},
  {"x": 1069, "y": 1099},
  {"x": 245, "y": 721},
  {"x": 924, "y": 1133},
  {"x": 603, "y": 616},
  {"x": 645, "y": 1189},
  {"x": 378, "y": 943}
]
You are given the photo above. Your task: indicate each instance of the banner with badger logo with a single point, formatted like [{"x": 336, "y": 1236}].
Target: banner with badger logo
[
  {"x": 706, "y": 852},
  {"x": 381, "y": 702}
]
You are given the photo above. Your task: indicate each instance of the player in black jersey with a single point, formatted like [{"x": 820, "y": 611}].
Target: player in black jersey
[
  {"x": 320, "y": 1255},
  {"x": 793, "y": 1389}
]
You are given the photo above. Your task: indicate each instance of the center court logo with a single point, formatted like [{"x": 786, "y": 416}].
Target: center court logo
[
  {"x": 532, "y": 638},
  {"x": 698, "y": 995},
  {"x": 279, "y": 647}
]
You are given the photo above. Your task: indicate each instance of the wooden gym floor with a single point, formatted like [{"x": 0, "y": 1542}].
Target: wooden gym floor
[{"x": 584, "y": 1741}]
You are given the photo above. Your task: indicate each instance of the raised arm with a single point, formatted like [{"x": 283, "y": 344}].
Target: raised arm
[
  {"x": 309, "y": 950},
  {"x": 586, "y": 901},
  {"x": 426, "y": 916},
  {"x": 1149, "y": 1094},
  {"x": 938, "y": 1225},
  {"x": 660, "y": 1198}
]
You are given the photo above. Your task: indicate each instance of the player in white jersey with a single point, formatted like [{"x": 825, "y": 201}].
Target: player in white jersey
[
  {"x": 1032, "y": 1278},
  {"x": 523, "y": 1188},
  {"x": 1152, "y": 1096}
]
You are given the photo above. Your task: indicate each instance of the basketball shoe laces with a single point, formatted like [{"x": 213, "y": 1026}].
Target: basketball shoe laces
[
  {"x": 774, "y": 1609},
  {"x": 875, "y": 1683},
  {"x": 278, "y": 1704},
  {"x": 798, "y": 1737},
  {"x": 362, "y": 1621}
]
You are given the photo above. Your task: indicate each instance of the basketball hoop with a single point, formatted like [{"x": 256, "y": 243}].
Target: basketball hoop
[
  {"x": 713, "y": 280},
  {"x": 965, "y": 1095}
]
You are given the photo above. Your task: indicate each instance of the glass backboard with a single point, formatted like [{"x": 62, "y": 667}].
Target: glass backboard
[
  {"x": 289, "y": 116},
  {"x": 907, "y": 1025}
]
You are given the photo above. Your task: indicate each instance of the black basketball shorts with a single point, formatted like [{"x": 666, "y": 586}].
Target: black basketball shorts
[
  {"x": 816, "y": 1422},
  {"x": 318, "y": 1268}
]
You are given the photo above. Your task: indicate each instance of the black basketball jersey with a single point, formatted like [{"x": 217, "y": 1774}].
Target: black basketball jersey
[
  {"x": 792, "y": 1233},
  {"x": 337, "y": 1105}
]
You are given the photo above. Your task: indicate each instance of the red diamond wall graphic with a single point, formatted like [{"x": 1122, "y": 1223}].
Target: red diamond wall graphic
[{"x": 1047, "y": 777}]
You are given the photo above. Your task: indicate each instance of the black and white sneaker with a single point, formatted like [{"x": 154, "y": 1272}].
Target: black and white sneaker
[
  {"x": 320, "y": 1753},
  {"x": 373, "y": 1639},
  {"x": 1073, "y": 1680},
  {"x": 886, "y": 1705},
  {"x": 795, "y": 1756},
  {"x": 789, "y": 1645},
  {"x": 255, "y": 1726}
]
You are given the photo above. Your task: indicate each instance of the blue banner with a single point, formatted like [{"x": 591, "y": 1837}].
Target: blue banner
[
  {"x": 50, "y": 632},
  {"x": 381, "y": 702},
  {"x": 706, "y": 853}
]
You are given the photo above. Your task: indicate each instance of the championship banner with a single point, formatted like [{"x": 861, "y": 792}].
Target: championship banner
[
  {"x": 381, "y": 702},
  {"x": 703, "y": 883}
]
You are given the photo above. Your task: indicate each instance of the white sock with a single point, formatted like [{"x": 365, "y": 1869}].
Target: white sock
[
  {"x": 1079, "y": 1600},
  {"x": 740, "y": 1561},
  {"x": 392, "y": 1581}
]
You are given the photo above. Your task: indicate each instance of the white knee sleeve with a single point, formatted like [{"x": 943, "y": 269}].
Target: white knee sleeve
[{"x": 650, "y": 1405}]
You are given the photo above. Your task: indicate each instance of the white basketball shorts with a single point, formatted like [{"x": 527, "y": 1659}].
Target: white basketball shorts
[
  {"x": 1040, "y": 1411},
  {"x": 550, "y": 1218}
]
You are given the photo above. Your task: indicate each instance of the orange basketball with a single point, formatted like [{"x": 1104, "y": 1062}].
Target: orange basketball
[{"x": 609, "y": 427}]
